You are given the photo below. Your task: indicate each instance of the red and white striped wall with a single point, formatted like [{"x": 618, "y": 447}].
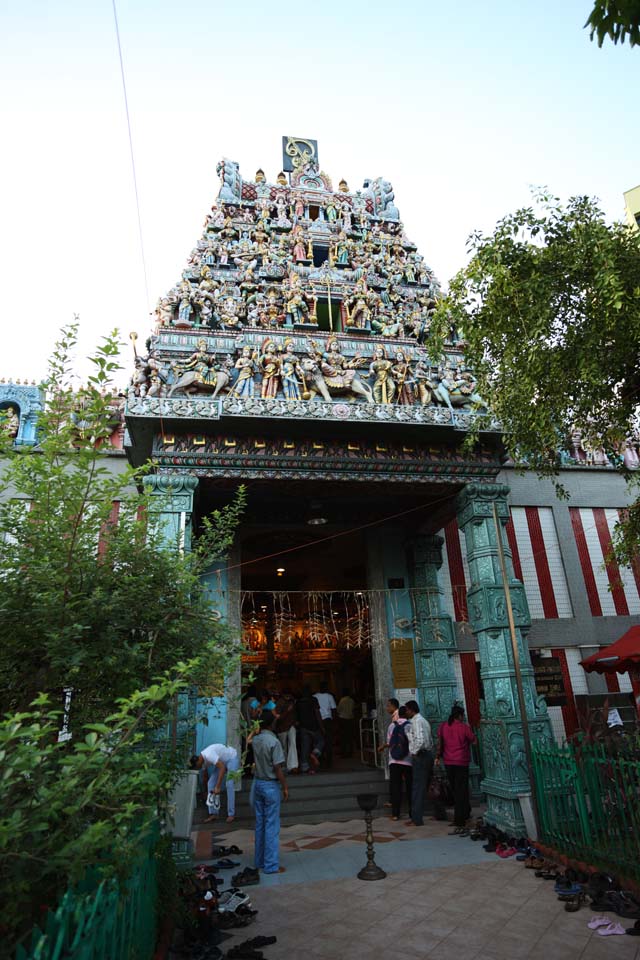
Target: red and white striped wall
[
  {"x": 564, "y": 720},
  {"x": 611, "y": 590},
  {"x": 536, "y": 558}
]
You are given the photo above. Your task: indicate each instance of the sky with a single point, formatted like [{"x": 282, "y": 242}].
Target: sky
[{"x": 462, "y": 106}]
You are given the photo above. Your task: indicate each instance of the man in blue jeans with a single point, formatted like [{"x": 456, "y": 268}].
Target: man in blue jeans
[{"x": 269, "y": 777}]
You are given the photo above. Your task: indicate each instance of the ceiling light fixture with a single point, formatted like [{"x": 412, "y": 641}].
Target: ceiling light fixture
[
  {"x": 280, "y": 571},
  {"x": 316, "y": 518}
]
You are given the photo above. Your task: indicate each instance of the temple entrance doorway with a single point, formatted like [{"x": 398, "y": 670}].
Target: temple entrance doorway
[{"x": 306, "y": 621}]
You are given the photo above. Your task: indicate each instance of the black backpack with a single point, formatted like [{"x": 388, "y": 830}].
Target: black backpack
[{"x": 398, "y": 742}]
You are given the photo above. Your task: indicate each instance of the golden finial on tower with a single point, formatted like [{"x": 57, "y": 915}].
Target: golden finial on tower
[{"x": 260, "y": 177}]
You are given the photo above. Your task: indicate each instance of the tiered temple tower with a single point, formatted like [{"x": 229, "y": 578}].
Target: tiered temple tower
[{"x": 294, "y": 353}]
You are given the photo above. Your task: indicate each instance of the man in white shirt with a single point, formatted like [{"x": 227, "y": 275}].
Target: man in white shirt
[
  {"x": 216, "y": 761},
  {"x": 327, "y": 706},
  {"x": 418, "y": 732}
]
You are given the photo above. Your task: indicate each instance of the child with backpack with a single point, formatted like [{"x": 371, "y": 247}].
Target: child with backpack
[{"x": 400, "y": 770}]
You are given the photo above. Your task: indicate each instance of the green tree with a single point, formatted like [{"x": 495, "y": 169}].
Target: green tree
[
  {"x": 86, "y": 602},
  {"x": 616, "y": 19},
  {"x": 549, "y": 307},
  {"x": 111, "y": 610}
]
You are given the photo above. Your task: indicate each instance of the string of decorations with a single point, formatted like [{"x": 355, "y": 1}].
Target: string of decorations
[{"x": 333, "y": 620}]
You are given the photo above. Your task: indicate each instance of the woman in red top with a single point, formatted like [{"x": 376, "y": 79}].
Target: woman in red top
[{"x": 454, "y": 748}]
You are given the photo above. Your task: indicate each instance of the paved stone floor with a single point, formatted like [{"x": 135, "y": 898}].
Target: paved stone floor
[{"x": 444, "y": 897}]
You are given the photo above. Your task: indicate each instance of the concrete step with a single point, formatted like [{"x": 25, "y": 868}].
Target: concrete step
[{"x": 328, "y": 796}]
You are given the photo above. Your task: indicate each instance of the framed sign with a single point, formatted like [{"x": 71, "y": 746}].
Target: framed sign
[
  {"x": 403, "y": 663},
  {"x": 549, "y": 680}
]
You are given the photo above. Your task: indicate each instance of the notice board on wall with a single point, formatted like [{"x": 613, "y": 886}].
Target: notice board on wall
[
  {"x": 549, "y": 680},
  {"x": 403, "y": 663}
]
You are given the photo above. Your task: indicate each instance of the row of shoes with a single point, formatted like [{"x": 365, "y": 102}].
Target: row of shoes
[{"x": 234, "y": 907}]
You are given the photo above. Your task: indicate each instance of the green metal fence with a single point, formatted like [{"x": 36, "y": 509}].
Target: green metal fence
[
  {"x": 102, "y": 920},
  {"x": 589, "y": 804}
]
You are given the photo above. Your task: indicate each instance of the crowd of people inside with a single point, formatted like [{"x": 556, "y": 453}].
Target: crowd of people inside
[{"x": 306, "y": 725}]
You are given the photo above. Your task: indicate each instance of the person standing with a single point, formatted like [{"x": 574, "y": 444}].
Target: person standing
[
  {"x": 454, "y": 749},
  {"x": 346, "y": 711},
  {"x": 327, "y": 706},
  {"x": 399, "y": 757},
  {"x": 421, "y": 749},
  {"x": 286, "y": 729},
  {"x": 311, "y": 738},
  {"x": 269, "y": 778},
  {"x": 216, "y": 761}
]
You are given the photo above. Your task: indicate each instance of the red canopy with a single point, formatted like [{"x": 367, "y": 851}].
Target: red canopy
[{"x": 620, "y": 657}]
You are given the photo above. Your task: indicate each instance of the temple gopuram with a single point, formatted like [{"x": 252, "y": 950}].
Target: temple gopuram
[{"x": 293, "y": 356}]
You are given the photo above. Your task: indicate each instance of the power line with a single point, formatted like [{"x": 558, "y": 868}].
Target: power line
[{"x": 133, "y": 162}]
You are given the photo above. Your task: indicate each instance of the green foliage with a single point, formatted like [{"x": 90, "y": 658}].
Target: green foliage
[
  {"x": 616, "y": 19},
  {"x": 87, "y": 602},
  {"x": 106, "y": 607},
  {"x": 549, "y": 306},
  {"x": 70, "y": 807}
]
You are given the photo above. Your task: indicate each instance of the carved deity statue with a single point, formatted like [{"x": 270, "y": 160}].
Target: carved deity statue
[
  {"x": 269, "y": 367},
  {"x": 246, "y": 367},
  {"x": 383, "y": 386},
  {"x": 289, "y": 371},
  {"x": 404, "y": 380},
  {"x": 11, "y": 422}
]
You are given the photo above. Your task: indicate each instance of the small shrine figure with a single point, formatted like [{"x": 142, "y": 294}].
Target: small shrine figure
[
  {"x": 345, "y": 209},
  {"x": 298, "y": 209},
  {"x": 405, "y": 384},
  {"x": 185, "y": 307},
  {"x": 281, "y": 206},
  {"x": 269, "y": 366},
  {"x": 246, "y": 366},
  {"x": 297, "y": 310},
  {"x": 217, "y": 217},
  {"x": 383, "y": 386},
  {"x": 424, "y": 383},
  {"x": 299, "y": 249},
  {"x": 11, "y": 422},
  {"x": 331, "y": 210},
  {"x": 229, "y": 314},
  {"x": 386, "y": 326},
  {"x": 165, "y": 312},
  {"x": 290, "y": 370},
  {"x": 342, "y": 249}
]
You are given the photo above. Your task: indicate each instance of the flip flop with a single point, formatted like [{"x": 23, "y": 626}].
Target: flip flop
[
  {"x": 612, "y": 930},
  {"x": 256, "y": 942},
  {"x": 596, "y": 922},
  {"x": 226, "y": 864},
  {"x": 226, "y": 851}
]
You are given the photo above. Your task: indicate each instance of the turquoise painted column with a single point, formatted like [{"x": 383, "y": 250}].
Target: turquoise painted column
[
  {"x": 173, "y": 495},
  {"x": 434, "y": 637},
  {"x": 502, "y": 736}
]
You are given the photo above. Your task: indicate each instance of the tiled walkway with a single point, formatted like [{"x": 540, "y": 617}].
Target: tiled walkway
[{"x": 444, "y": 897}]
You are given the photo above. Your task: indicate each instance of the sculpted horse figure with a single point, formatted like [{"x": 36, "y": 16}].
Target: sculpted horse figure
[
  {"x": 337, "y": 386},
  {"x": 192, "y": 381},
  {"x": 456, "y": 391}
]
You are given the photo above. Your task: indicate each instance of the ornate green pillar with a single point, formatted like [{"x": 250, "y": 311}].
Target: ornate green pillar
[
  {"x": 435, "y": 639},
  {"x": 502, "y": 737},
  {"x": 172, "y": 499}
]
